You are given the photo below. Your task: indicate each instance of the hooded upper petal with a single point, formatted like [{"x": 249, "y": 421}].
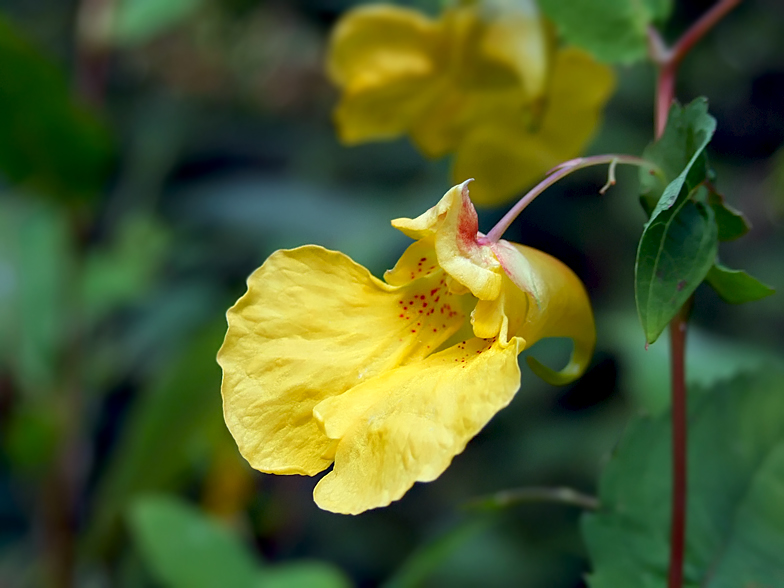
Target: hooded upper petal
[{"x": 453, "y": 226}]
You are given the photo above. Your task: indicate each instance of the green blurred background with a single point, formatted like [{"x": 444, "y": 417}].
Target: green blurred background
[{"x": 145, "y": 173}]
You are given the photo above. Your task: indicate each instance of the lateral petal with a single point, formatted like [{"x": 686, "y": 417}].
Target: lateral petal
[
  {"x": 312, "y": 325},
  {"x": 406, "y": 425}
]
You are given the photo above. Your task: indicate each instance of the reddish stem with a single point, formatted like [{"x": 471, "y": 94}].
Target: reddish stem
[
  {"x": 679, "y": 447},
  {"x": 665, "y": 94},
  {"x": 698, "y": 30},
  {"x": 668, "y": 61}
]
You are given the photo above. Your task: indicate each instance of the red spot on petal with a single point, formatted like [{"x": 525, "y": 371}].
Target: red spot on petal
[
  {"x": 424, "y": 305},
  {"x": 413, "y": 330}
]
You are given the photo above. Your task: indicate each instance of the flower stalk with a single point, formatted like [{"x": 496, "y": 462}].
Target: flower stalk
[{"x": 559, "y": 172}]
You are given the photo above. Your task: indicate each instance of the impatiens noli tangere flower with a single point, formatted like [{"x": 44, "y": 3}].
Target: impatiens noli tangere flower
[
  {"x": 386, "y": 381},
  {"x": 491, "y": 87}
]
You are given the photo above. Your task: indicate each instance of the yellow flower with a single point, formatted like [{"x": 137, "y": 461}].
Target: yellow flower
[
  {"x": 492, "y": 90},
  {"x": 388, "y": 380}
]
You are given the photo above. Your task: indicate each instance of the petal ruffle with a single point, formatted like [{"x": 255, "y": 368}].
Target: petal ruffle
[
  {"x": 312, "y": 325},
  {"x": 508, "y": 153},
  {"x": 407, "y": 424}
]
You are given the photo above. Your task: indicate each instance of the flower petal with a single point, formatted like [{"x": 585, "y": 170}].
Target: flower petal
[
  {"x": 522, "y": 39},
  {"x": 383, "y": 57},
  {"x": 508, "y": 153},
  {"x": 454, "y": 226},
  {"x": 312, "y": 325},
  {"x": 559, "y": 307},
  {"x": 490, "y": 64},
  {"x": 407, "y": 424},
  {"x": 385, "y": 111},
  {"x": 376, "y": 42}
]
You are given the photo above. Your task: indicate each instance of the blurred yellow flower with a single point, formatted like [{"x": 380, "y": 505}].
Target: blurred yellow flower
[
  {"x": 388, "y": 380},
  {"x": 474, "y": 85}
]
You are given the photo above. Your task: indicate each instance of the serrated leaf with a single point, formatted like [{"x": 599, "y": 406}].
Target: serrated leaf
[
  {"x": 614, "y": 31},
  {"x": 679, "y": 154},
  {"x": 676, "y": 251},
  {"x": 736, "y": 286},
  {"x": 735, "y": 530},
  {"x": 185, "y": 549},
  {"x": 47, "y": 142}
]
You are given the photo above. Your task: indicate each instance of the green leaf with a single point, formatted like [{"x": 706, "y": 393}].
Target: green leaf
[
  {"x": 710, "y": 359},
  {"x": 679, "y": 154},
  {"x": 614, "y": 31},
  {"x": 428, "y": 558},
  {"x": 36, "y": 263},
  {"x": 303, "y": 574},
  {"x": 732, "y": 223},
  {"x": 47, "y": 142},
  {"x": 736, "y": 286},
  {"x": 185, "y": 549},
  {"x": 122, "y": 272},
  {"x": 735, "y": 525},
  {"x": 676, "y": 251},
  {"x": 138, "y": 21}
]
